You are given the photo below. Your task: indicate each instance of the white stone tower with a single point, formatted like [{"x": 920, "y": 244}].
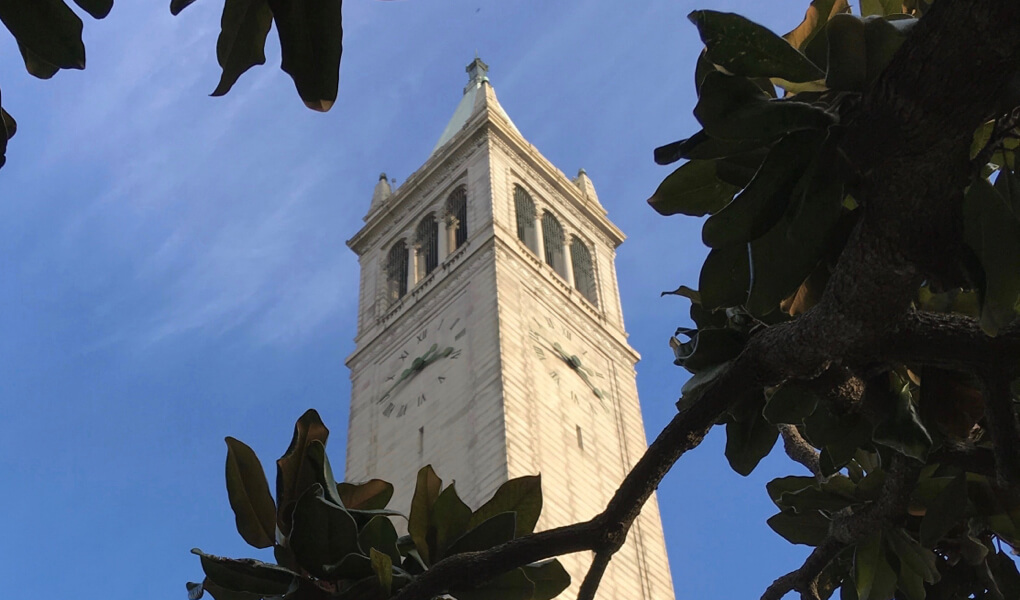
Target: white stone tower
[{"x": 496, "y": 271}]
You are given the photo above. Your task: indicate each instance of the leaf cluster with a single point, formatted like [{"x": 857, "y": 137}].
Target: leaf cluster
[
  {"x": 49, "y": 36},
  {"x": 781, "y": 202},
  {"x": 338, "y": 540}
]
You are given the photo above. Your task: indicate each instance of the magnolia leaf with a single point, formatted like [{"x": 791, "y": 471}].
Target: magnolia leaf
[
  {"x": 740, "y": 169},
  {"x": 492, "y": 532},
  {"x": 745, "y": 48},
  {"x": 693, "y": 295},
  {"x": 725, "y": 278},
  {"x": 847, "y": 54},
  {"x": 248, "y": 492},
  {"x": 316, "y": 457},
  {"x": 323, "y": 533},
  {"x": 809, "y": 528},
  {"x": 354, "y": 566},
  {"x": 221, "y": 593},
  {"x": 426, "y": 492},
  {"x": 176, "y": 6},
  {"x": 819, "y": 12},
  {"x": 693, "y": 190},
  {"x": 777, "y": 488},
  {"x": 242, "y": 42},
  {"x": 1008, "y": 185},
  {"x": 881, "y": 8},
  {"x": 382, "y": 565},
  {"x": 757, "y": 209},
  {"x": 982, "y": 135},
  {"x": 35, "y": 65},
  {"x": 450, "y": 517},
  {"x": 696, "y": 385},
  {"x": 903, "y": 431},
  {"x": 97, "y": 8},
  {"x": 8, "y": 127},
  {"x": 882, "y": 39},
  {"x": 248, "y": 575},
  {"x": 49, "y": 28},
  {"x": 702, "y": 146},
  {"x": 790, "y": 404},
  {"x": 549, "y": 577},
  {"x": 379, "y": 534},
  {"x": 993, "y": 233},
  {"x": 374, "y": 494},
  {"x": 513, "y": 585},
  {"x": 521, "y": 495},
  {"x": 734, "y": 108},
  {"x": 708, "y": 347},
  {"x": 747, "y": 442},
  {"x": 876, "y": 579},
  {"x": 294, "y": 474},
  {"x": 311, "y": 42},
  {"x": 948, "y": 510},
  {"x": 918, "y": 558}
]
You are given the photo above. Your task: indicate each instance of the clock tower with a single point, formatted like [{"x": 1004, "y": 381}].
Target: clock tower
[{"x": 491, "y": 341}]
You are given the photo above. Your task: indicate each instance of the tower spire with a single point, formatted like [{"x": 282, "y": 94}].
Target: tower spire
[{"x": 477, "y": 72}]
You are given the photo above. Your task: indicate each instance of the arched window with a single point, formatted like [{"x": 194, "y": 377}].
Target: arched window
[
  {"x": 584, "y": 270},
  {"x": 456, "y": 218},
  {"x": 396, "y": 272},
  {"x": 552, "y": 236},
  {"x": 525, "y": 209},
  {"x": 426, "y": 240}
]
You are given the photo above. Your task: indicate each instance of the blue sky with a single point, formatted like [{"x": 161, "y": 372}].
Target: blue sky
[{"x": 174, "y": 270}]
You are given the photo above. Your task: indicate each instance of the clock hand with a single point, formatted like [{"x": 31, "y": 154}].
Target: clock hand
[{"x": 419, "y": 364}]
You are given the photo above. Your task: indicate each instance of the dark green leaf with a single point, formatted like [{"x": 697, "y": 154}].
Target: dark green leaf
[
  {"x": 35, "y": 65},
  {"x": 97, "y": 8},
  {"x": 492, "y": 532},
  {"x": 847, "y": 59},
  {"x": 48, "y": 28},
  {"x": 426, "y": 492},
  {"x": 747, "y": 442},
  {"x": 903, "y": 431},
  {"x": 948, "y": 509},
  {"x": 777, "y": 488},
  {"x": 686, "y": 292},
  {"x": 787, "y": 255},
  {"x": 315, "y": 455},
  {"x": 708, "y": 347},
  {"x": 876, "y": 579},
  {"x": 382, "y": 565},
  {"x": 242, "y": 42},
  {"x": 1008, "y": 186},
  {"x": 176, "y": 6},
  {"x": 725, "y": 278},
  {"x": 991, "y": 230},
  {"x": 880, "y": 8},
  {"x": 1004, "y": 570},
  {"x": 693, "y": 189},
  {"x": 808, "y": 528},
  {"x": 221, "y": 593},
  {"x": 819, "y": 12},
  {"x": 918, "y": 558},
  {"x": 354, "y": 566},
  {"x": 833, "y": 495},
  {"x": 521, "y": 495},
  {"x": 513, "y": 585},
  {"x": 379, "y": 534},
  {"x": 696, "y": 385},
  {"x": 739, "y": 169},
  {"x": 370, "y": 495},
  {"x": 883, "y": 38},
  {"x": 294, "y": 474},
  {"x": 311, "y": 41},
  {"x": 757, "y": 209},
  {"x": 549, "y": 577},
  {"x": 194, "y": 590},
  {"x": 734, "y": 108},
  {"x": 450, "y": 518},
  {"x": 745, "y": 48},
  {"x": 701, "y": 146},
  {"x": 8, "y": 127},
  {"x": 247, "y": 575},
  {"x": 790, "y": 404},
  {"x": 323, "y": 534},
  {"x": 248, "y": 492}
]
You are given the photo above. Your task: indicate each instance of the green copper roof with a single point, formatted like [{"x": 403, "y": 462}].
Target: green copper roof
[{"x": 474, "y": 100}]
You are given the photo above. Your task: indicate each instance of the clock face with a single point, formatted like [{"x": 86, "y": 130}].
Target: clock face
[
  {"x": 428, "y": 367},
  {"x": 578, "y": 370}
]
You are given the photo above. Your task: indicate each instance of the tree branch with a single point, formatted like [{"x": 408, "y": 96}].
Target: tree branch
[
  {"x": 1001, "y": 419},
  {"x": 800, "y": 451},
  {"x": 591, "y": 582}
]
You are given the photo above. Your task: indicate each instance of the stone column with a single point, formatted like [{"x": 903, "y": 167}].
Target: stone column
[
  {"x": 451, "y": 234},
  {"x": 412, "y": 267},
  {"x": 568, "y": 261}
]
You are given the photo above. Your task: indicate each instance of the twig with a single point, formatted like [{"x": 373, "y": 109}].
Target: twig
[
  {"x": 800, "y": 451},
  {"x": 591, "y": 582}
]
